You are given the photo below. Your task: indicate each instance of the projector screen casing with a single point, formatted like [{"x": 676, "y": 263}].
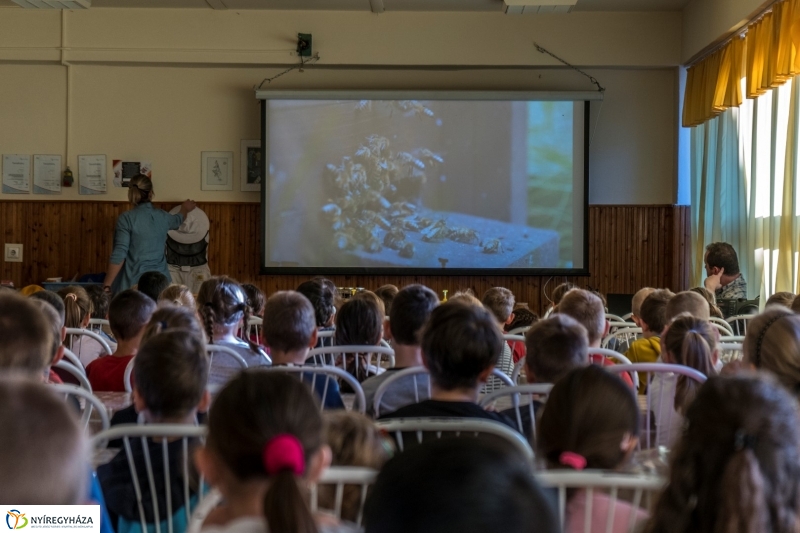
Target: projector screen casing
[{"x": 265, "y": 96}]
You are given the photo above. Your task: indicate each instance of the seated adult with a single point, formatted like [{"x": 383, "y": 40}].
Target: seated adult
[{"x": 722, "y": 269}]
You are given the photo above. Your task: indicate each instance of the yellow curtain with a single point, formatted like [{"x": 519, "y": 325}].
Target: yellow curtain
[{"x": 712, "y": 85}]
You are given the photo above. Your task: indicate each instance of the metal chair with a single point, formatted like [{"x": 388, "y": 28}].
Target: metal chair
[
  {"x": 614, "y": 318},
  {"x": 645, "y": 489},
  {"x": 519, "y": 331},
  {"x": 70, "y": 356},
  {"x": 663, "y": 404},
  {"x": 457, "y": 426},
  {"x": 254, "y": 323},
  {"x": 72, "y": 332},
  {"x": 618, "y": 358},
  {"x": 341, "y": 477},
  {"x": 96, "y": 324},
  {"x": 78, "y": 373},
  {"x": 628, "y": 317},
  {"x": 328, "y": 373},
  {"x": 723, "y": 325},
  {"x": 517, "y": 375},
  {"x": 621, "y": 339},
  {"x": 739, "y": 323},
  {"x": 337, "y": 356},
  {"x": 538, "y": 391},
  {"x": 172, "y": 438},
  {"x": 730, "y": 351},
  {"x": 731, "y": 339},
  {"x": 87, "y": 402}
]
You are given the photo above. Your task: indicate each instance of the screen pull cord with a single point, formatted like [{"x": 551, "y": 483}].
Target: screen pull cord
[
  {"x": 311, "y": 60},
  {"x": 600, "y": 88}
]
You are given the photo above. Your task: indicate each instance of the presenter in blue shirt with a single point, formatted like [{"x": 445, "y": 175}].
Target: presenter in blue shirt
[{"x": 140, "y": 237}]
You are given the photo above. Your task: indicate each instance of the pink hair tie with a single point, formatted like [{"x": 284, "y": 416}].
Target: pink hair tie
[
  {"x": 284, "y": 452},
  {"x": 573, "y": 460}
]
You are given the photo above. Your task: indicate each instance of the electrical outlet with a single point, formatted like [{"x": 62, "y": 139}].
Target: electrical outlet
[{"x": 13, "y": 253}]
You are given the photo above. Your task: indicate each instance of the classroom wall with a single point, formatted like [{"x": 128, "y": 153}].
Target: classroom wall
[
  {"x": 706, "y": 22},
  {"x": 164, "y": 85}
]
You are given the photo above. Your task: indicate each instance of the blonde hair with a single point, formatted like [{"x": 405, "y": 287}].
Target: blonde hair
[
  {"x": 500, "y": 302},
  {"x": 772, "y": 343},
  {"x": 587, "y": 308},
  {"x": 638, "y": 299},
  {"x": 688, "y": 302},
  {"x": 467, "y": 297},
  {"x": 179, "y": 295},
  {"x": 77, "y": 305},
  {"x": 140, "y": 190},
  {"x": 173, "y": 317}
]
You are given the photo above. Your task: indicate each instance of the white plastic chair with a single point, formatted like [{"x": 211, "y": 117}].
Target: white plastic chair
[
  {"x": 538, "y": 391},
  {"x": 739, "y": 323},
  {"x": 659, "y": 405},
  {"x": 517, "y": 374},
  {"x": 328, "y": 373},
  {"x": 87, "y": 333},
  {"x": 130, "y": 433},
  {"x": 519, "y": 331},
  {"x": 614, "y": 318},
  {"x": 339, "y": 477},
  {"x": 87, "y": 403},
  {"x": 254, "y": 323},
  {"x": 628, "y": 317},
  {"x": 645, "y": 488},
  {"x": 731, "y": 339},
  {"x": 96, "y": 324},
  {"x": 74, "y": 359},
  {"x": 723, "y": 325},
  {"x": 78, "y": 373},
  {"x": 378, "y": 358},
  {"x": 457, "y": 426},
  {"x": 621, "y": 339},
  {"x": 618, "y": 358},
  {"x": 730, "y": 351}
]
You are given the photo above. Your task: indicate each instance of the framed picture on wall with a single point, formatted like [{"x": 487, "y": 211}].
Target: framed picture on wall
[
  {"x": 216, "y": 171},
  {"x": 251, "y": 163}
]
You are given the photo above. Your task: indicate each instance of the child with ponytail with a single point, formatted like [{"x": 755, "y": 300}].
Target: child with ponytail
[
  {"x": 78, "y": 310},
  {"x": 222, "y": 305},
  {"x": 736, "y": 467},
  {"x": 688, "y": 341},
  {"x": 577, "y": 431},
  {"x": 264, "y": 447}
]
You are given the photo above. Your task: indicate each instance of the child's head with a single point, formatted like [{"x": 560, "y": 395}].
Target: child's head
[
  {"x": 780, "y": 298},
  {"x": 255, "y": 299},
  {"x": 458, "y": 485},
  {"x": 460, "y": 345},
  {"x": 266, "y": 427},
  {"x": 152, "y": 284},
  {"x": 687, "y": 302},
  {"x": 560, "y": 291},
  {"x": 466, "y": 296},
  {"x": 709, "y": 297},
  {"x": 44, "y": 455},
  {"x": 289, "y": 323},
  {"x": 100, "y": 300},
  {"x": 359, "y": 321},
  {"x": 636, "y": 303},
  {"x": 592, "y": 416},
  {"x": 173, "y": 317},
  {"x": 387, "y": 294},
  {"x": 523, "y": 317},
  {"x": 77, "y": 306},
  {"x": 654, "y": 311},
  {"x": 178, "y": 295},
  {"x": 26, "y": 341},
  {"x": 54, "y": 300},
  {"x": 736, "y": 466},
  {"x": 692, "y": 342},
  {"x": 587, "y": 309},
  {"x": 500, "y": 302},
  {"x": 223, "y": 304},
  {"x": 128, "y": 314},
  {"x": 321, "y": 297},
  {"x": 795, "y": 304},
  {"x": 170, "y": 372},
  {"x": 50, "y": 316},
  {"x": 369, "y": 295},
  {"x": 772, "y": 343},
  {"x": 411, "y": 310},
  {"x": 554, "y": 347}
]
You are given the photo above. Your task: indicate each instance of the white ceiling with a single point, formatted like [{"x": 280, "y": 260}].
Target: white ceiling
[{"x": 391, "y": 5}]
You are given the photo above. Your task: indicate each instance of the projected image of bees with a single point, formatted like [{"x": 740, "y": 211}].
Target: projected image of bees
[{"x": 376, "y": 191}]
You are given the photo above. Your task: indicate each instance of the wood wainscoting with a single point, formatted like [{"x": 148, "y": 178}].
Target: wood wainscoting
[{"x": 630, "y": 246}]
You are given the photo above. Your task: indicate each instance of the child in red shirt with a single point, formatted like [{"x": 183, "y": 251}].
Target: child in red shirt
[{"x": 128, "y": 315}]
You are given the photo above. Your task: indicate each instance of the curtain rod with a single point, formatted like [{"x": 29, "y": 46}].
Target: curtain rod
[{"x": 738, "y": 33}]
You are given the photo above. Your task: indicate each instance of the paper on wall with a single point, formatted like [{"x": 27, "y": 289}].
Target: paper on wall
[
  {"x": 47, "y": 174},
  {"x": 16, "y": 174},
  {"x": 92, "y": 174}
]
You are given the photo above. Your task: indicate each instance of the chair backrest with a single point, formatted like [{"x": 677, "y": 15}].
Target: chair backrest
[
  {"x": 614, "y": 318},
  {"x": 618, "y": 358},
  {"x": 373, "y": 360},
  {"x": 724, "y": 326},
  {"x": 72, "y": 332},
  {"x": 254, "y": 324},
  {"x": 644, "y": 487},
  {"x": 537, "y": 391},
  {"x": 96, "y": 324},
  {"x": 514, "y": 337},
  {"x": 167, "y": 436},
  {"x": 731, "y": 338},
  {"x": 739, "y": 323},
  {"x": 339, "y": 478},
  {"x": 327, "y": 373},
  {"x": 214, "y": 349},
  {"x": 70, "y": 356},
  {"x": 78, "y": 373},
  {"x": 621, "y": 339},
  {"x": 497, "y": 380},
  {"x": 325, "y": 334},
  {"x": 126, "y": 378},
  {"x": 628, "y": 317},
  {"x": 519, "y": 331},
  {"x": 659, "y": 408},
  {"x": 519, "y": 373},
  {"x": 87, "y": 403},
  {"x": 730, "y": 351},
  {"x": 435, "y": 427}
]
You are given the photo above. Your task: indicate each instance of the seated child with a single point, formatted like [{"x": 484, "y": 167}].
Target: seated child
[
  {"x": 636, "y": 304},
  {"x": 354, "y": 441},
  {"x": 772, "y": 343},
  {"x": 170, "y": 374},
  {"x": 466, "y": 296},
  {"x": 578, "y": 430},
  {"x": 555, "y": 346},
  {"x": 736, "y": 467},
  {"x": 460, "y": 346},
  {"x": 652, "y": 320},
  {"x": 100, "y": 302},
  {"x": 360, "y": 322},
  {"x": 387, "y": 294},
  {"x": 709, "y": 297},
  {"x": 128, "y": 314},
  {"x": 78, "y": 310},
  {"x": 411, "y": 309},
  {"x": 26, "y": 338},
  {"x": 290, "y": 331},
  {"x": 687, "y": 302},
  {"x": 321, "y": 296},
  {"x": 223, "y": 307},
  {"x": 784, "y": 299},
  {"x": 691, "y": 342},
  {"x": 523, "y": 318},
  {"x": 499, "y": 302},
  {"x": 459, "y": 485},
  {"x": 152, "y": 284},
  {"x": 558, "y": 294},
  {"x": 264, "y": 447},
  {"x": 44, "y": 455},
  {"x": 177, "y": 295}
]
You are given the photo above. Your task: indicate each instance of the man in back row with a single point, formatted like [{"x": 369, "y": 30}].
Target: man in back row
[{"x": 722, "y": 269}]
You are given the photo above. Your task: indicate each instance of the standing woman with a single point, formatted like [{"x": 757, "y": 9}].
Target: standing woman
[{"x": 140, "y": 237}]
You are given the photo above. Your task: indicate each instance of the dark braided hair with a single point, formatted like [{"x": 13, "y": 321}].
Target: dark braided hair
[{"x": 222, "y": 301}]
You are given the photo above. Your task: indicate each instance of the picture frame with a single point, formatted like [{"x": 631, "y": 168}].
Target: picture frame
[
  {"x": 250, "y": 165},
  {"x": 216, "y": 171}
]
